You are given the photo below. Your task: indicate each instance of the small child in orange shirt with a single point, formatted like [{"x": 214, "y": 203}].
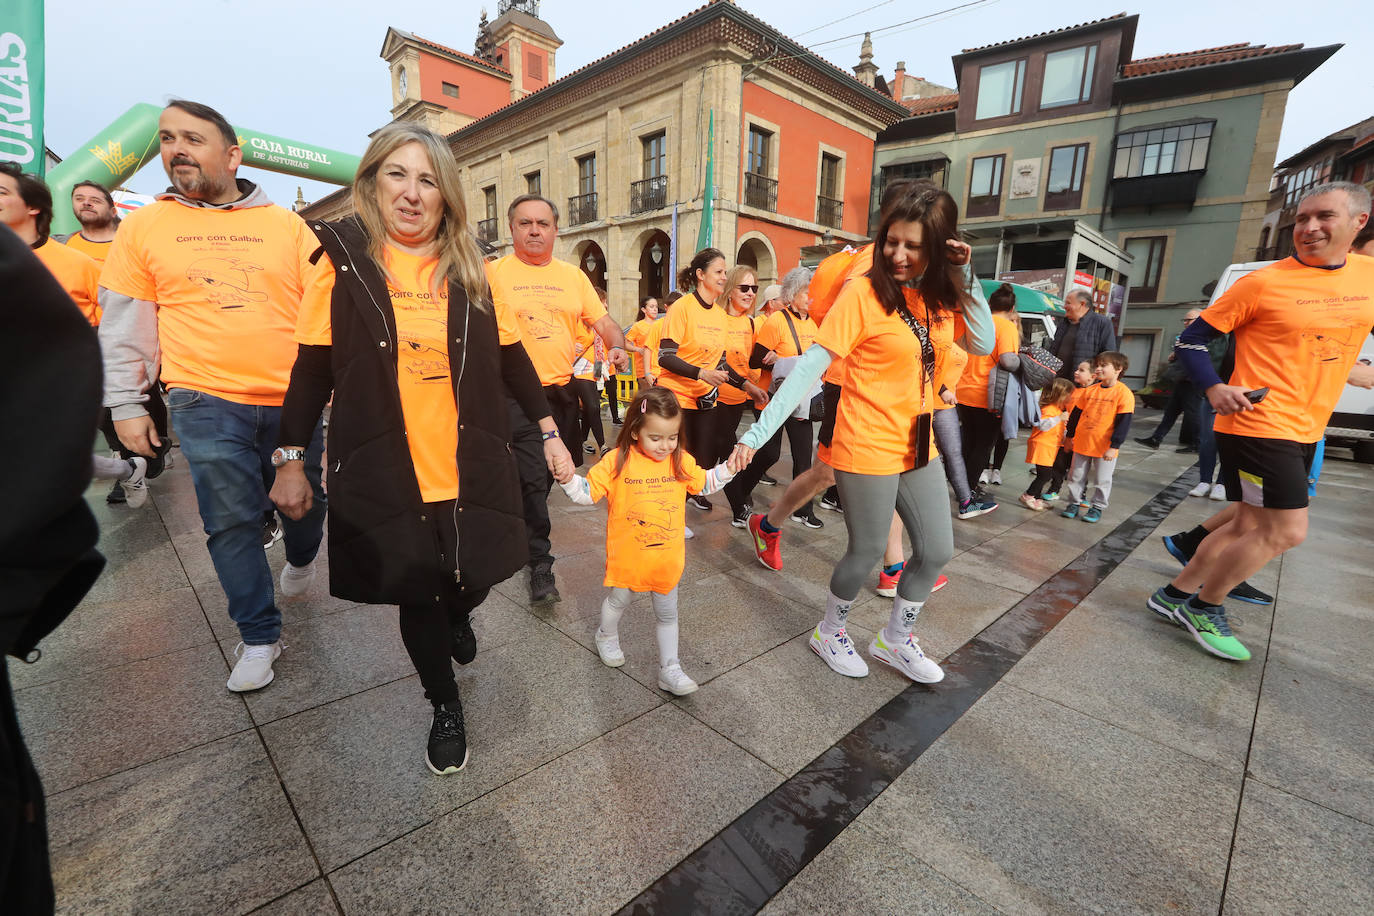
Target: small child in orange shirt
[
  {"x": 1098, "y": 425},
  {"x": 1043, "y": 446},
  {"x": 646, "y": 481},
  {"x": 1082, "y": 378}
]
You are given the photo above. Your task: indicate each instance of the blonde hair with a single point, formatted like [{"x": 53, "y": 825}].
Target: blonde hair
[
  {"x": 733, "y": 279},
  {"x": 456, "y": 247}
]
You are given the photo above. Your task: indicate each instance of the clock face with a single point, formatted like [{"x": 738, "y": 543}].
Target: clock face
[{"x": 403, "y": 82}]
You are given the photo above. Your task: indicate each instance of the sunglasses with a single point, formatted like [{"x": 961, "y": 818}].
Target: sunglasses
[{"x": 746, "y": 288}]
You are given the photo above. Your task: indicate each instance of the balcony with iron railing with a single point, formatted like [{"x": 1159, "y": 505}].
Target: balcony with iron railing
[
  {"x": 829, "y": 212},
  {"x": 761, "y": 192},
  {"x": 486, "y": 230},
  {"x": 582, "y": 209},
  {"x": 649, "y": 194}
]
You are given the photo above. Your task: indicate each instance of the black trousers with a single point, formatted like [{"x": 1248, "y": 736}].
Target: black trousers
[
  {"x": 535, "y": 480},
  {"x": 1051, "y": 475},
  {"x": 740, "y": 490},
  {"x": 727, "y": 424},
  {"x": 427, "y": 628},
  {"x": 981, "y": 429},
  {"x": 700, "y": 431},
  {"x": 589, "y": 412}
]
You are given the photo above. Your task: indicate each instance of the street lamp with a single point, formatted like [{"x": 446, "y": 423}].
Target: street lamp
[
  {"x": 590, "y": 263},
  {"x": 656, "y": 252}
]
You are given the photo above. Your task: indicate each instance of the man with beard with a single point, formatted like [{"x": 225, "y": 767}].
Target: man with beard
[
  {"x": 95, "y": 211},
  {"x": 207, "y": 281}
]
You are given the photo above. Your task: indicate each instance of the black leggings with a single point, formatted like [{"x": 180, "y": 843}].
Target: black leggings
[
  {"x": 1052, "y": 474},
  {"x": 726, "y": 425},
  {"x": 740, "y": 490},
  {"x": 700, "y": 432},
  {"x": 981, "y": 429},
  {"x": 590, "y": 417},
  {"x": 427, "y": 628}
]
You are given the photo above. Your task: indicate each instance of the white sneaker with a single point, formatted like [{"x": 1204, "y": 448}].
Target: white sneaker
[
  {"x": 995, "y": 478},
  {"x": 674, "y": 680},
  {"x": 254, "y": 668},
  {"x": 296, "y": 580},
  {"x": 1219, "y": 492},
  {"x": 608, "y": 647},
  {"x": 907, "y": 658},
  {"x": 1201, "y": 489},
  {"x": 136, "y": 487},
  {"x": 838, "y": 652},
  {"x": 986, "y": 476},
  {"x": 687, "y": 533}
]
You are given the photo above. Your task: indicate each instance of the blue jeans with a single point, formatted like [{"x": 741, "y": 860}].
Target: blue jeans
[{"x": 229, "y": 449}]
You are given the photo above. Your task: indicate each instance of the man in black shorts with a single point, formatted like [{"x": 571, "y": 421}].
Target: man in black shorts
[{"x": 1299, "y": 325}]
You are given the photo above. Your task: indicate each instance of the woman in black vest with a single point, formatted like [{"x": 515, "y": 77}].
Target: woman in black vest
[{"x": 397, "y": 320}]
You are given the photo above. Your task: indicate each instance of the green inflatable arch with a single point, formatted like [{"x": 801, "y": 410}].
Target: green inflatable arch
[{"x": 124, "y": 147}]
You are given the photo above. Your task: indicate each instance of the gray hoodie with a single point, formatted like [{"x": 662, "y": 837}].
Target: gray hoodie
[{"x": 128, "y": 327}]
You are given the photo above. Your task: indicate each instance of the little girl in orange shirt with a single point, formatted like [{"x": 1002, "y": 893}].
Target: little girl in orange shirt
[
  {"x": 1044, "y": 445},
  {"x": 645, "y": 482}
]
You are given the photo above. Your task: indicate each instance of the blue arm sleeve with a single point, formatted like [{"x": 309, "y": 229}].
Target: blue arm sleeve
[
  {"x": 980, "y": 334},
  {"x": 1121, "y": 427},
  {"x": 808, "y": 369},
  {"x": 1192, "y": 354}
]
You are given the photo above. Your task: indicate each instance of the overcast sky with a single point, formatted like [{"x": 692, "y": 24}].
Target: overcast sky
[{"x": 310, "y": 70}]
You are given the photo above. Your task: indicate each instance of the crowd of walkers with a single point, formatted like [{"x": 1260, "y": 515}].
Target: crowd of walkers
[{"x": 459, "y": 390}]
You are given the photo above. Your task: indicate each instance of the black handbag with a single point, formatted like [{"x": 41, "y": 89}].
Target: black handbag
[
  {"x": 816, "y": 411},
  {"x": 921, "y": 430}
]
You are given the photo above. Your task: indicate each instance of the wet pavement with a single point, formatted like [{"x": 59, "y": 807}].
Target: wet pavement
[{"x": 1081, "y": 755}]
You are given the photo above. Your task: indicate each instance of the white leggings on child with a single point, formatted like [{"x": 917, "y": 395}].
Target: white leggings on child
[{"x": 665, "y": 609}]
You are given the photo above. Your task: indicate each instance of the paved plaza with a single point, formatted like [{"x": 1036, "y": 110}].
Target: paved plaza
[{"x": 1082, "y": 755}]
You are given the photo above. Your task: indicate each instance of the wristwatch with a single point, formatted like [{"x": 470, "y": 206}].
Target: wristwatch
[{"x": 283, "y": 455}]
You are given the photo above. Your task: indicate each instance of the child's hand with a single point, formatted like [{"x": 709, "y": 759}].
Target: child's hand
[
  {"x": 740, "y": 458},
  {"x": 1111, "y": 453}
]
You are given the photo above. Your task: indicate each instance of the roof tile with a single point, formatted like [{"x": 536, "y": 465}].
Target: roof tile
[
  {"x": 1203, "y": 58},
  {"x": 1067, "y": 28},
  {"x": 447, "y": 50},
  {"x": 933, "y": 104}
]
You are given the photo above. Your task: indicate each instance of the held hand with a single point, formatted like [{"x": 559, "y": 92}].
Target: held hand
[
  {"x": 138, "y": 434},
  {"x": 714, "y": 377},
  {"x": 758, "y": 394},
  {"x": 770, "y": 358},
  {"x": 1111, "y": 453},
  {"x": 947, "y": 396},
  {"x": 959, "y": 254},
  {"x": 739, "y": 459},
  {"x": 650, "y": 379},
  {"x": 1228, "y": 399},
  {"x": 619, "y": 359},
  {"x": 291, "y": 491},
  {"x": 1361, "y": 375},
  {"x": 559, "y": 461}
]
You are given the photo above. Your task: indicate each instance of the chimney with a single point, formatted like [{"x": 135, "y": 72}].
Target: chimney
[{"x": 899, "y": 81}]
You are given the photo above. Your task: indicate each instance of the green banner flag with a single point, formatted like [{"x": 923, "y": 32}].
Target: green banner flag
[
  {"x": 296, "y": 158},
  {"x": 21, "y": 85},
  {"x": 708, "y": 198}
]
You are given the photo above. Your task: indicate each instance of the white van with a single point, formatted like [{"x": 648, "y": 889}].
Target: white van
[{"x": 1352, "y": 423}]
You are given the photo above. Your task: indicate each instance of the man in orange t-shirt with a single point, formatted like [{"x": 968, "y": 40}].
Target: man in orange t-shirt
[
  {"x": 1298, "y": 325},
  {"x": 94, "y": 209},
  {"x": 551, "y": 301},
  {"x": 207, "y": 282}
]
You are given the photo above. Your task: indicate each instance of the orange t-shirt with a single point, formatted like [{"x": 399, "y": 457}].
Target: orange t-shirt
[
  {"x": 586, "y": 349},
  {"x": 638, "y": 334},
  {"x": 739, "y": 336},
  {"x": 1298, "y": 331},
  {"x": 1043, "y": 445},
  {"x": 972, "y": 390},
  {"x": 824, "y": 298},
  {"x": 1093, "y": 434},
  {"x": 955, "y": 361},
  {"x": 550, "y": 304},
  {"x": 700, "y": 333},
  {"x": 885, "y": 387},
  {"x": 775, "y": 335},
  {"x": 78, "y": 274},
  {"x": 98, "y": 250},
  {"x": 227, "y": 284},
  {"x": 644, "y": 536}
]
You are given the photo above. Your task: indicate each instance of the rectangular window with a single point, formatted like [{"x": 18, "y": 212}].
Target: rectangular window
[
  {"x": 534, "y": 183},
  {"x": 534, "y": 66},
  {"x": 1064, "y": 190},
  {"x": 655, "y": 155},
  {"x": 830, "y": 176},
  {"x": 1068, "y": 76},
  {"x": 1298, "y": 183},
  {"x": 999, "y": 89},
  {"x": 1163, "y": 150},
  {"x": 490, "y": 195},
  {"x": 933, "y": 169},
  {"x": 1148, "y": 265},
  {"x": 760, "y": 141},
  {"x": 985, "y": 186},
  {"x": 586, "y": 174},
  {"x": 450, "y": 90}
]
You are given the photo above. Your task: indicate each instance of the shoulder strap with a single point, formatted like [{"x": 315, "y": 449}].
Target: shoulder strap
[
  {"x": 923, "y": 335},
  {"x": 793, "y": 328}
]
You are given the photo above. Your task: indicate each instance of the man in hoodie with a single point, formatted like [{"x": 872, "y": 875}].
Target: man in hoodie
[{"x": 207, "y": 282}]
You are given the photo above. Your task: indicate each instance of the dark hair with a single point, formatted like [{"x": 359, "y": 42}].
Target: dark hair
[
  {"x": 1365, "y": 235},
  {"x": 1116, "y": 359},
  {"x": 661, "y": 403},
  {"x": 687, "y": 277},
  {"x": 109, "y": 199},
  {"x": 1056, "y": 391},
  {"x": 526, "y": 198},
  {"x": 942, "y": 283},
  {"x": 643, "y": 303},
  {"x": 600, "y": 294},
  {"x": 672, "y": 297},
  {"x": 1003, "y": 299},
  {"x": 902, "y": 187},
  {"x": 34, "y": 192},
  {"x": 206, "y": 113}
]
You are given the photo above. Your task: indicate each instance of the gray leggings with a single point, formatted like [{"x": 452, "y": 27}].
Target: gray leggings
[
  {"x": 922, "y": 502},
  {"x": 950, "y": 442}
]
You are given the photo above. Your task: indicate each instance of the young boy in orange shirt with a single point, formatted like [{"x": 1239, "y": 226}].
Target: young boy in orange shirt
[{"x": 1098, "y": 425}]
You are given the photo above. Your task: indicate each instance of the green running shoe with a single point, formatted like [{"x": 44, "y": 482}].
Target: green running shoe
[
  {"x": 1211, "y": 631},
  {"x": 1164, "y": 606}
]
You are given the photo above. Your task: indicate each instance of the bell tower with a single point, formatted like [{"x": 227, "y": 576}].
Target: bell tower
[{"x": 525, "y": 45}]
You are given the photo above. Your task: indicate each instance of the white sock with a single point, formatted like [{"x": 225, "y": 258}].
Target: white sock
[
  {"x": 665, "y": 609},
  {"x": 836, "y": 613},
  {"x": 902, "y": 621}
]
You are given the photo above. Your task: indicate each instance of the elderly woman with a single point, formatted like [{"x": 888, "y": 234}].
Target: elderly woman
[
  {"x": 425, "y": 505},
  {"x": 784, "y": 335}
]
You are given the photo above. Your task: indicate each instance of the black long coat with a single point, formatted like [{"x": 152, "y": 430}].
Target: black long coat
[{"x": 382, "y": 547}]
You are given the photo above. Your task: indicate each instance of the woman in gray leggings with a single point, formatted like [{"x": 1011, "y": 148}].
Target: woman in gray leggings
[{"x": 890, "y": 334}]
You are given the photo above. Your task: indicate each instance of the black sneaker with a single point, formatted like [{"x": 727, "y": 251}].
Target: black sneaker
[
  {"x": 1186, "y": 449},
  {"x": 464, "y": 642},
  {"x": 271, "y": 533},
  {"x": 808, "y": 519},
  {"x": 448, "y": 740},
  {"x": 542, "y": 587},
  {"x": 1177, "y": 545},
  {"x": 701, "y": 502},
  {"x": 831, "y": 503},
  {"x": 1147, "y": 441},
  {"x": 1250, "y": 595},
  {"x": 768, "y": 481},
  {"x": 740, "y": 517},
  {"x": 116, "y": 495}
]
